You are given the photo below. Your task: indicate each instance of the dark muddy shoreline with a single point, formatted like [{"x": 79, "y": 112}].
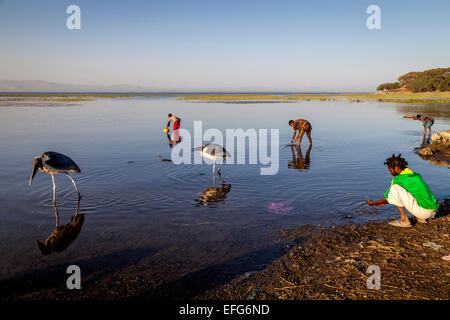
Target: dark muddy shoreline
[
  {"x": 322, "y": 264},
  {"x": 332, "y": 264}
]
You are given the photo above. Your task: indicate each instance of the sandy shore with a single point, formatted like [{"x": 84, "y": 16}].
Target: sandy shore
[{"x": 332, "y": 264}]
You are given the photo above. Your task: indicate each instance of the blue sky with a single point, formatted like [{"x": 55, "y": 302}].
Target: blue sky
[{"x": 228, "y": 45}]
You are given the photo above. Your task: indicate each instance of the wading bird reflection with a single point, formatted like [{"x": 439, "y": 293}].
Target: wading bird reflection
[
  {"x": 55, "y": 163},
  {"x": 214, "y": 195},
  {"x": 62, "y": 236}
]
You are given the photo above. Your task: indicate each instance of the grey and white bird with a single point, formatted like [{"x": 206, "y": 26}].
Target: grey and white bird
[
  {"x": 55, "y": 163},
  {"x": 213, "y": 152}
]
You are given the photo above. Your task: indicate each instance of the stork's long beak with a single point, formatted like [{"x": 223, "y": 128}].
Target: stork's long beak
[
  {"x": 35, "y": 169},
  {"x": 198, "y": 148}
]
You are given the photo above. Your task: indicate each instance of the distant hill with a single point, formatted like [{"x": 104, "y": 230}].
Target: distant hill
[
  {"x": 425, "y": 81},
  {"x": 45, "y": 86}
]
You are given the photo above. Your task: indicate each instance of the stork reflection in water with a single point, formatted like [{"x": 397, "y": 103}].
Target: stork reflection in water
[
  {"x": 55, "y": 163},
  {"x": 62, "y": 236},
  {"x": 214, "y": 195}
]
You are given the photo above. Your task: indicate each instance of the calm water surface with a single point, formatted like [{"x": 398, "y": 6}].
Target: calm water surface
[{"x": 168, "y": 221}]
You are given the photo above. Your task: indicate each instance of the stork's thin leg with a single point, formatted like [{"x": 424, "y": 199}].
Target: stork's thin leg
[
  {"x": 78, "y": 208},
  {"x": 74, "y": 184},
  {"x": 54, "y": 190},
  {"x": 220, "y": 168},
  {"x": 56, "y": 215}
]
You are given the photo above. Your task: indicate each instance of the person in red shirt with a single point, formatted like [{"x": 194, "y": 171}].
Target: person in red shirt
[{"x": 176, "y": 125}]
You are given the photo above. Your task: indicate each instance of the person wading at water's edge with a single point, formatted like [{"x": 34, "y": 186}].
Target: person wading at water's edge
[
  {"x": 427, "y": 123},
  {"x": 302, "y": 126},
  {"x": 176, "y": 125},
  {"x": 409, "y": 191}
]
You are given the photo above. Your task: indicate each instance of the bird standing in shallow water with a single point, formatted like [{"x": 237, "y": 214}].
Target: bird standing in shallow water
[
  {"x": 55, "y": 163},
  {"x": 213, "y": 151}
]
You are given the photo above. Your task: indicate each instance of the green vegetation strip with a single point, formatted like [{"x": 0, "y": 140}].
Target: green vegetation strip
[{"x": 422, "y": 97}]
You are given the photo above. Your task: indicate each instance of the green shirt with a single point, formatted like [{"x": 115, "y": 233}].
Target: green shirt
[{"x": 414, "y": 184}]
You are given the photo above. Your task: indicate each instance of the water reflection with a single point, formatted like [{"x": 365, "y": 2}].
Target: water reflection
[
  {"x": 436, "y": 158},
  {"x": 425, "y": 142},
  {"x": 176, "y": 139},
  {"x": 214, "y": 195},
  {"x": 440, "y": 111},
  {"x": 298, "y": 162},
  {"x": 62, "y": 236},
  {"x": 141, "y": 201}
]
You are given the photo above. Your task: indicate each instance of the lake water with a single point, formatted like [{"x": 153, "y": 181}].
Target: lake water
[{"x": 145, "y": 215}]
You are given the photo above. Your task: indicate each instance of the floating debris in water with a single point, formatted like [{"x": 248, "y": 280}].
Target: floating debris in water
[
  {"x": 280, "y": 207},
  {"x": 130, "y": 162},
  {"x": 163, "y": 159}
]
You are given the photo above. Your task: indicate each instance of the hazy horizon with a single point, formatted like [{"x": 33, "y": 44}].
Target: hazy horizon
[
  {"x": 215, "y": 46},
  {"x": 40, "y": 86}
]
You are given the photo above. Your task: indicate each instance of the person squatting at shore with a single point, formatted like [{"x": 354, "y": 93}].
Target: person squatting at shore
[
  {"x": 302, "y": 126},
  {"x": 427, "y": 123},
  {"x": 407, "y": 190}
]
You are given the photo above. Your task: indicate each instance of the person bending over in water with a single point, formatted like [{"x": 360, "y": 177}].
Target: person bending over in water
[
  {"x": 409, "y": 191},
  {"x": 302, "y": 126},
  {"x": 427, "y": 123},
  {"x": 176, "y": 124}
]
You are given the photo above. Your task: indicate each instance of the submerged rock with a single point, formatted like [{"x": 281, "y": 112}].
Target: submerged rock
[{"x": 427, "y": 151}]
